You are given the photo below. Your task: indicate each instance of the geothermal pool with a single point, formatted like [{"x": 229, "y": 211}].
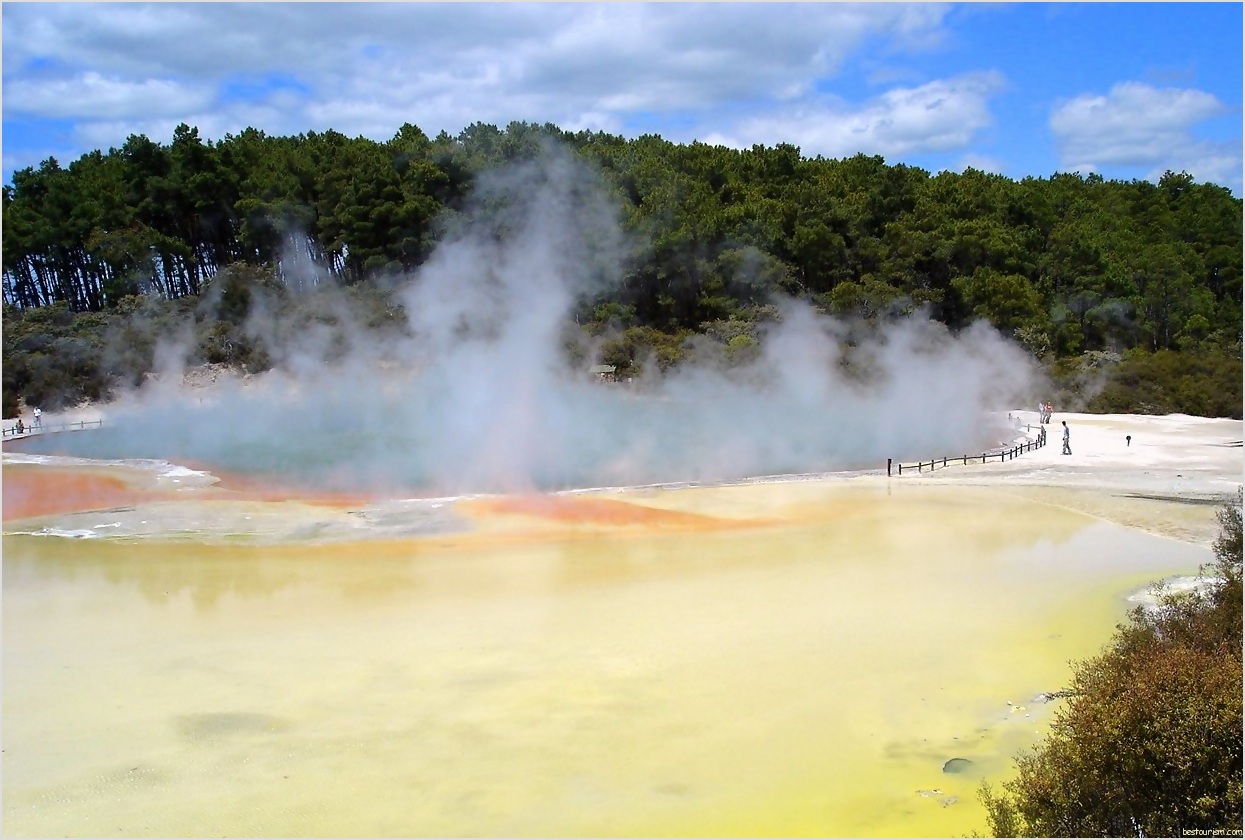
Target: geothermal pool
[{"x": 788, "y": 658}]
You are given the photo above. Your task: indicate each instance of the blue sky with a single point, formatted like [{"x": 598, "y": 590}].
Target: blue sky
[{"x": 1127, "y": 90}]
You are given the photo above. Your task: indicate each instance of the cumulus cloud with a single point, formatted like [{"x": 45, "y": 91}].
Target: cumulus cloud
[
  {"x": 1136, "y": 124},
  {"x": 982, "y": 163},
  {"x": 938, "y": 116},
  {"x": 367, "y": 68},
  {"x": 1218, "y": 163},
  {"x": 735, "y": 73},
  {"x": 91, "y": 95}
]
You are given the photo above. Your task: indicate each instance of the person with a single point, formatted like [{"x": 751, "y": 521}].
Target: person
[
  {"x": 1050, "y": 410},
  {"x": 1041, "y": 413},
  {"x": 38, "y": 417},
  {"x": 1067, "y": 439},
  {"x": 21, "y": 427}
]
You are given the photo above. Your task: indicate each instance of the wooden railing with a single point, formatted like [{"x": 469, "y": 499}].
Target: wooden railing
[
  {"x": 1001, "y": 454},
  {"x": 39, "y": 428}
]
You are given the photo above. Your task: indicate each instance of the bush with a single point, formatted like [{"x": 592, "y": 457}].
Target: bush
[
  {"x": 52, "y": 357},
  {"x": 1205, "y": 384},
  {"x": 1150, "y": 741}
]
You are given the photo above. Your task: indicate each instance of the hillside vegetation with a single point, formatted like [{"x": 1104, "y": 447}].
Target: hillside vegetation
[{"x": 1130, "y": 293}]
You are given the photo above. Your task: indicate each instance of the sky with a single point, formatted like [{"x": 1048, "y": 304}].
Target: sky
[{"x": 1125, "y": 90}]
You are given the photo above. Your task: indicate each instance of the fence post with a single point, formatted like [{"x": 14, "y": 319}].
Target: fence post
[{"x": 888, "y": 467}]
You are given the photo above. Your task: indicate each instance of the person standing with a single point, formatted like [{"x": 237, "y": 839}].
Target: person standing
[
  {"x": 38, "y": 418},
  {"x": 1067, "y": 439},
  {"x": 1050, "y": 410}
]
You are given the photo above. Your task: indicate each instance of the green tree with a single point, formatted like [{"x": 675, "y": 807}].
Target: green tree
[{"x": 1008, "y": 301}]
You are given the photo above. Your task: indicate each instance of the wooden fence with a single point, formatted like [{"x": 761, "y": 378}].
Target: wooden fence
[
  {"x": 39, "y": 429},
  {"x": 985, "y": 457}
]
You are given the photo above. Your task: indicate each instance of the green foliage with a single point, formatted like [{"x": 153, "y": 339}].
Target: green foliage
[
  {"x": 1205, "y": 383},
  {"x": 869, "y": 299},
  {"x": 1149, "y": 743},
  {"x": 638, "y": 348},
  {"x": 1228, "y": 599},
  {"x": 1067, "y": 265},
  {"x": 1008, "y": 301},
  {"x": 52, "y": 358},
  {"x": 245, "y": 318},
  {"x": 611, "y": 314}
]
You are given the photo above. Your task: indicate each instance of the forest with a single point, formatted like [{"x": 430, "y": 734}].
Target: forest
[{"x": 1133, "y": 286}]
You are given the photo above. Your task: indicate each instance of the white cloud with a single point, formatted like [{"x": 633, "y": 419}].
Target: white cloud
[
  {"x": 369, "y": 67},
  {"x": 982, "y": 163},
  {"x": 938, "y": 116},
  {"x": 93, "y": 96},
  {"x": 104, "y": 134},
  {"x": 1138, "y": 125},
  {"x": 1135, "y": 124},
  {"x": 738, "y": 74},
  {"x": 1218, "y": 163}
]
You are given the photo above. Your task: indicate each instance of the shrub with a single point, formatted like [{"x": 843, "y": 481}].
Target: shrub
[
  {"x": 1205, "y": 384},
  {"x": 1149, "y": 743},
  {"x": 52, "y": 357}
]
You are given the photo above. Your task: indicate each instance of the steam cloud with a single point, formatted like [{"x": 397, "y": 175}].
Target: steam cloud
[{"x": 479, "y": 397}]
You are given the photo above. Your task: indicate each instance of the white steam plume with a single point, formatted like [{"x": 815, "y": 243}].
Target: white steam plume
[{"x": 478, "y": 396}]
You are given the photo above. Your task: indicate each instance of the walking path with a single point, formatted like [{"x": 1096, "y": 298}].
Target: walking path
[
  {"x": 1161, "y": 474},
  {"x": 75, "y": 419}
]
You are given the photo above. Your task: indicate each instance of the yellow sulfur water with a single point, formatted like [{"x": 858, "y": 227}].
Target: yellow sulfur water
[{"x": 782, "y": 659}]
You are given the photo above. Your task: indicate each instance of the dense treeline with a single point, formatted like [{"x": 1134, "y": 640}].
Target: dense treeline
[
  {"x": 1067, "y": 265},
  {"x": 1149, "y": 743}
]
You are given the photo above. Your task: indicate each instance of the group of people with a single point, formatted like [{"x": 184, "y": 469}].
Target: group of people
[
  {"x": 20, "y": 427},
  {"x": 1045, "y": 410}
]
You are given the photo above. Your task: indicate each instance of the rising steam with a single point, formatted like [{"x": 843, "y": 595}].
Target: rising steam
[{"x": 478, "y": 395}]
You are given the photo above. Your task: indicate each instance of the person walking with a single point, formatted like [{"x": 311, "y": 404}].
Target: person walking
[{"x": 1067, "y": 439}]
